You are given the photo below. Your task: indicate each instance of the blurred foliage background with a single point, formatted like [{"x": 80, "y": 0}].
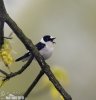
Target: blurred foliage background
[{"x": 73, "y": 23}]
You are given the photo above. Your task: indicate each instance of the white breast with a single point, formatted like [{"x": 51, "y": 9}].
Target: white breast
[{"x": 47, "y": 51}]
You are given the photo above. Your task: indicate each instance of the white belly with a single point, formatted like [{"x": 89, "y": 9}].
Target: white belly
[{"x": 47, "y": 51}]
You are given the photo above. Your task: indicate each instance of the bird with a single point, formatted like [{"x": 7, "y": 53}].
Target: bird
[{"x": 45, "y": 48}]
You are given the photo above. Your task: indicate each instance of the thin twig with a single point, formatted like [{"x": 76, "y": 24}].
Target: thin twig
[
  {"x": 11, "y": 75},
  {"x": 33, "y": 84},
  {"x": 8, "y": 37},
  {"x": 3, "y": 72}
]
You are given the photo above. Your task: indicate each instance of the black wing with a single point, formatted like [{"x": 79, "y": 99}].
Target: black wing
[
  {"x": 28, "y": 55},
  {"x": 24, "y": 56},
  {"x": 40, "y": 45}
]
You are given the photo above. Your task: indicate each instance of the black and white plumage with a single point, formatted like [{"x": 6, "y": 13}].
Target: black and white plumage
[{"x": 45, "y": 47}]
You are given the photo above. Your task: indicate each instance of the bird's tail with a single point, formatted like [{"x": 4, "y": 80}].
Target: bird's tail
[
  {"x": 24, "y": 57},
  {"x": 20, "y": 58}
]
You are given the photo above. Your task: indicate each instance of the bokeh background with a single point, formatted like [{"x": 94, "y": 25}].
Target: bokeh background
[{"x": 73, "y": 23}]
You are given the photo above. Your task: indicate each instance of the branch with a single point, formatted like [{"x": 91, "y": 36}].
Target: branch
[
  {"x": 1, "y": 32},
  {"x": 2, "y": 9},
  {"x": 2, "y": 15},
  {"x": 3, "y": 72},
  {"x": 11, "y": 75},
  {"x": 33, "y": 84}
]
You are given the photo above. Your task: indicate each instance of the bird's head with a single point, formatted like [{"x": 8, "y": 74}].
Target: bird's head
[{"x": 48, "y": 38}]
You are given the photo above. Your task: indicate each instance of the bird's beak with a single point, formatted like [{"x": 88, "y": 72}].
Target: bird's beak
[{"x": 53, "y": 40}]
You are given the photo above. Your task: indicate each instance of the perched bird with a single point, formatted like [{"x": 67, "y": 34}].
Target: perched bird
[{"x": 45, "y": 47}]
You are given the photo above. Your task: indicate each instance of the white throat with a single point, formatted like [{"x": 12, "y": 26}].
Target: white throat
[
  {"x": 47, "y": 51},
  {"x": 42, "y": 41}
]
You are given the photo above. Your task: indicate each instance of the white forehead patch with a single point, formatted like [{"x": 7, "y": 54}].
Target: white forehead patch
[{"x": 51, "y": 37}]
